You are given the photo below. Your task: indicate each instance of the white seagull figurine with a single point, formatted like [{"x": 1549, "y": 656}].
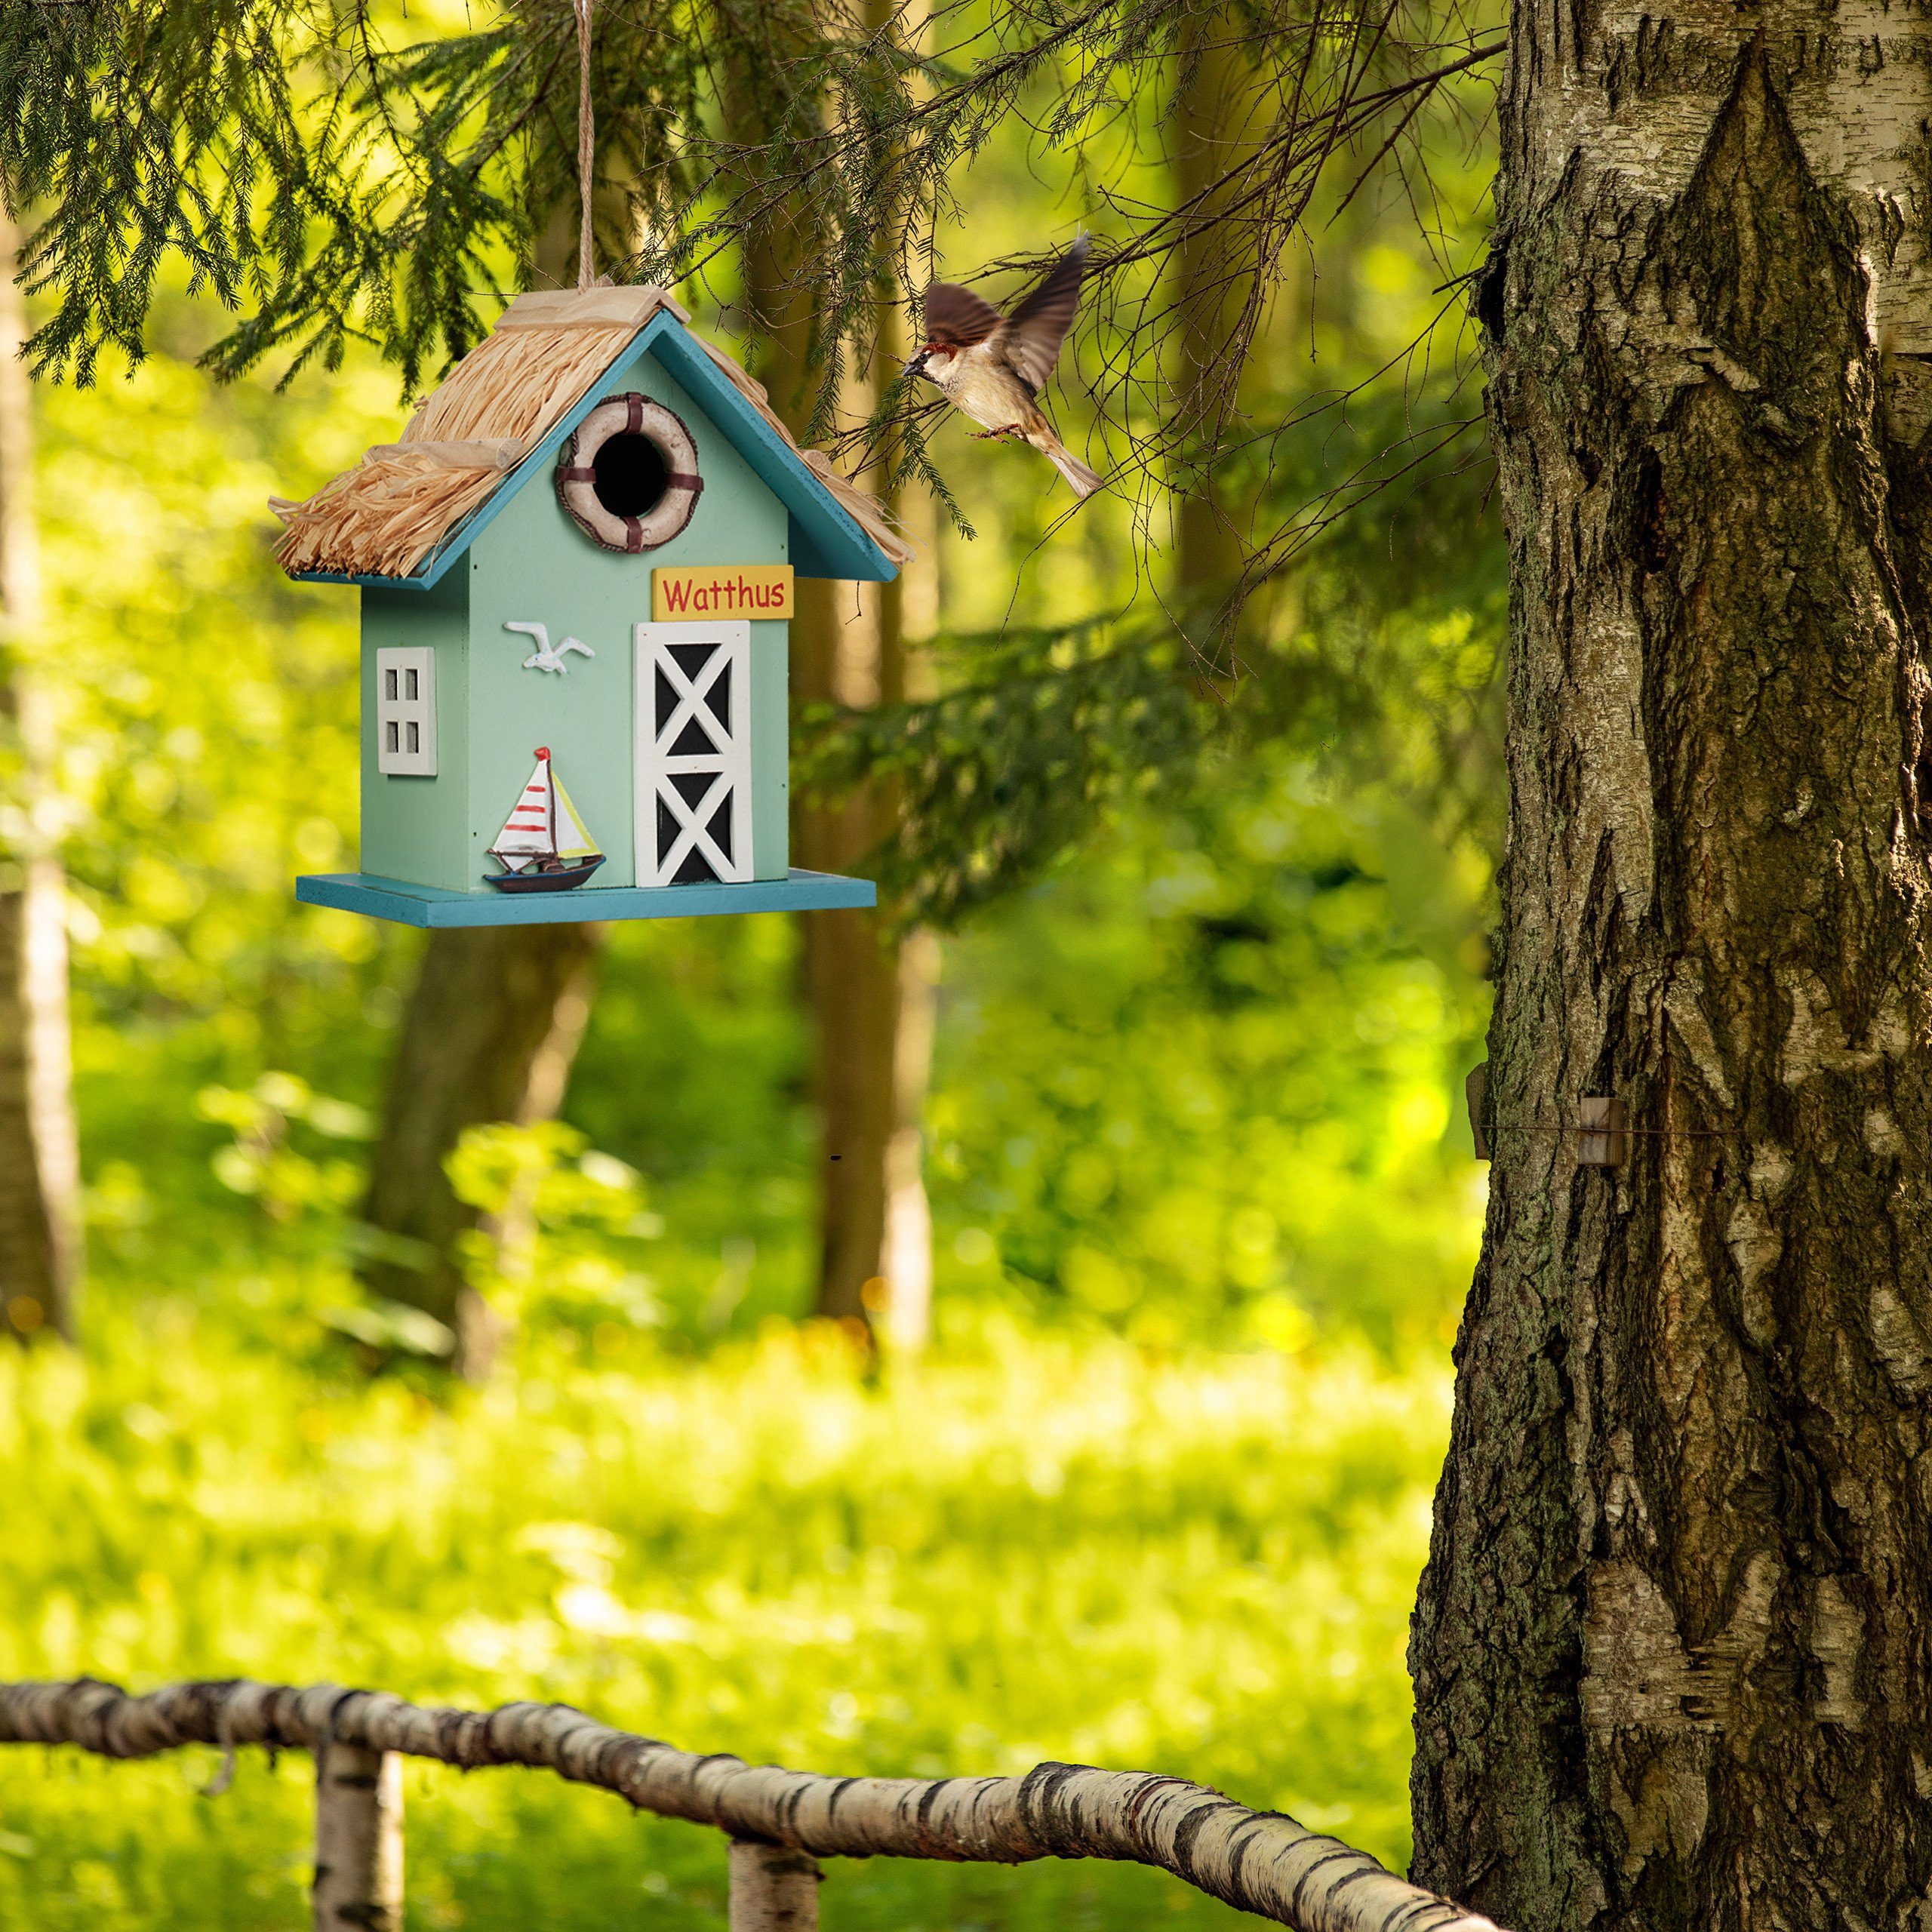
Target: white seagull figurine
[{"x": 546, "y": 659}]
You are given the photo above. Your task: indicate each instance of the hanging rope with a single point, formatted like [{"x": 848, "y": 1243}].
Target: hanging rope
[{"x": 586, "y": 144}]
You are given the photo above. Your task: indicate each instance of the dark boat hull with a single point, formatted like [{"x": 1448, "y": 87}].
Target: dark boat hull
[{"x": 560, "y": 881}]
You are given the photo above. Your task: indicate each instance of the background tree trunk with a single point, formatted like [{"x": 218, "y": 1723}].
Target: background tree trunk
[
  {"x": 358, "y": 1840},
  {"x": 490, "y": 1033},
  {"x": 1212, "y": 110},
  {"x": 1671, "y": 1649},
  {"x": 872, "y": 991},
  {"x": 870, "y": 1000},
  {"x": 40, "y": 1168},
  {"x": 849, "y": 646},
  {"x": 906, "y": 1265}
]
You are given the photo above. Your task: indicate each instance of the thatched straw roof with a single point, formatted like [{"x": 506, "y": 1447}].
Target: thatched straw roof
[{"x": 385, "y": 517}]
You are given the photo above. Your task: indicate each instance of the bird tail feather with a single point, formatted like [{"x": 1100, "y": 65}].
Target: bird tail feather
[{"x": 1084, "y": 481}]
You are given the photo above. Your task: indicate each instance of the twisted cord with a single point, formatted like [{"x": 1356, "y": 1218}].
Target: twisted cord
[{"x": 586, "y": 145}]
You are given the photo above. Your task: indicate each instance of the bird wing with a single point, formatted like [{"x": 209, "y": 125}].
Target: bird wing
[
  {"x": 957, "y": 317},
  {"x": 1032, "y": 335}
]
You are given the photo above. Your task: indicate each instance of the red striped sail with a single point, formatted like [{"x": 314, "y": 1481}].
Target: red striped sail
[{"x": 527, "y": 833}]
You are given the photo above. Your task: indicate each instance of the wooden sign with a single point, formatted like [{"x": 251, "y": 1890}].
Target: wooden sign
[{"x": 720, "y": 590}]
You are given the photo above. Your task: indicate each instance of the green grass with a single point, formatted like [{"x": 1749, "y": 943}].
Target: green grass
[{"x": 1037, "y": 1547}]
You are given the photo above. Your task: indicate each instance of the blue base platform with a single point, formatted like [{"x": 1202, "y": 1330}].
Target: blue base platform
[{"x": 429, "y": 905}]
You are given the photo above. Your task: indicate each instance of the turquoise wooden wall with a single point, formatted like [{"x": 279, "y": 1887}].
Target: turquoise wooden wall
[
  {"x": 533, "y": 564},
  {"x": 418, "y": 829}
]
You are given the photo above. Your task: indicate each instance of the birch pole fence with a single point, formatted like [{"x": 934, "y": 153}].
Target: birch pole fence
[{"x": 780, "y": 1822}]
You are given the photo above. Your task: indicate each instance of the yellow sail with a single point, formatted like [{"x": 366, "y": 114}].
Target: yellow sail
[{"x": 572, "y": 841}]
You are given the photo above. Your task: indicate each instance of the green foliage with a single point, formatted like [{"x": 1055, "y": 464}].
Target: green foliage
[
  {"x": 1216, "y": 974},
  {"x": 204, "y": 707},
  {"x": 391, "y": 1330},
  {"x": 334, "y": 174},
  {"x": 146, "y": 133},
  {"x": 1045, "y": 733},
  {"x": 330, "y": 175},
  {"x": 1032, "y": 1549},
  {"x": 1202, "y": 895},
  {"x": 561, "y": 1221},
  {"x": 1048, "y": 731},
  {"x": 1204, "y": 1088},
  {"x": 264, "y": 1162}
]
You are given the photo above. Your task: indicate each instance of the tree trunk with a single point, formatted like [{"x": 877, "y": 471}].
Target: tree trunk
[
  {"x": 872, "y": 997},
  {"x": 906, "y": 1262},
  {"x": 1214, "y": 110},
  {"x": 870, "y": 1008},
  {"x": 1671, "y": 1649},
  {"x": 358, "y": 1840},
  {"x": 772, "y": 1888},
  {"x": 40, "y": 1169},
  {"x": 489, "y": 1034},
  {"x": 849, "y": 647}
]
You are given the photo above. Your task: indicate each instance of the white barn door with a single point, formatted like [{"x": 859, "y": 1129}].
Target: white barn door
[{"x": 694, "y": 753}]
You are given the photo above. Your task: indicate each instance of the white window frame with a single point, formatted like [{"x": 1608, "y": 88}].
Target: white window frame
[
  {"x": 406, "y": 724},
  {"x": 656, "y": 764}
]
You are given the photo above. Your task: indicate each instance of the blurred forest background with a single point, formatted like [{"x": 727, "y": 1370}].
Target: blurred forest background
[{"x": 1150, "y": 1487}]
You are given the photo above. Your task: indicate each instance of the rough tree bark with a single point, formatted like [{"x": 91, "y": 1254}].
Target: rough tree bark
[
  {"x": 1671, "y": 1651},
  {"x": 40, "y": 1169}
]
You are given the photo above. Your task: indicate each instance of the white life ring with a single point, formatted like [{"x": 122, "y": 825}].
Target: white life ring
[{"x": 630, "y": 415}]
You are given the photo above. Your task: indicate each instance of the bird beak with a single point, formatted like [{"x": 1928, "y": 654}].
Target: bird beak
[{"x": 915, "y": 364}]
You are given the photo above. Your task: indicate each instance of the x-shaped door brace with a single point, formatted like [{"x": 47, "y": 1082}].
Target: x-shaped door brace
[
  {"x": 690, "y": 705},
  {"x": 720, "y": 765},
  {"x": 692, "y": 819}
]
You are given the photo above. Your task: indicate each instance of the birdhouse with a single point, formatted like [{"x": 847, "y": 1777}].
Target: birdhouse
[{"x": 576, "y": 571}]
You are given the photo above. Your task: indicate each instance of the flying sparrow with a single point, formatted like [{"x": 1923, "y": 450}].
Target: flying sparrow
[{"x": 992, "y": 367}]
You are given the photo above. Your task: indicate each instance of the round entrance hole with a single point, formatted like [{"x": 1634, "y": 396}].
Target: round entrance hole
[{"x": 631, "y": 476}]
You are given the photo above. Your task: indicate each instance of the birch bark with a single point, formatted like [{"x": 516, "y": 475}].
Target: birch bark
[
  {"x": 40, "y": 1169},
  {"x": 358, "y": 1840},
  {"x": 773, "y": 1888},
  {"x": 1261, "y": 1862},
  {"x": 1671, "y": 1651}
]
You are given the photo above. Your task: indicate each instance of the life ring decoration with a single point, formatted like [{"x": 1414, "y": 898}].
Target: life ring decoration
[{"x": 649, "y": 479}]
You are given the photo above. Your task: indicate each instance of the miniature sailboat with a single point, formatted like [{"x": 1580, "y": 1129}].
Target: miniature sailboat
[{"x": 543, "y": 846}]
